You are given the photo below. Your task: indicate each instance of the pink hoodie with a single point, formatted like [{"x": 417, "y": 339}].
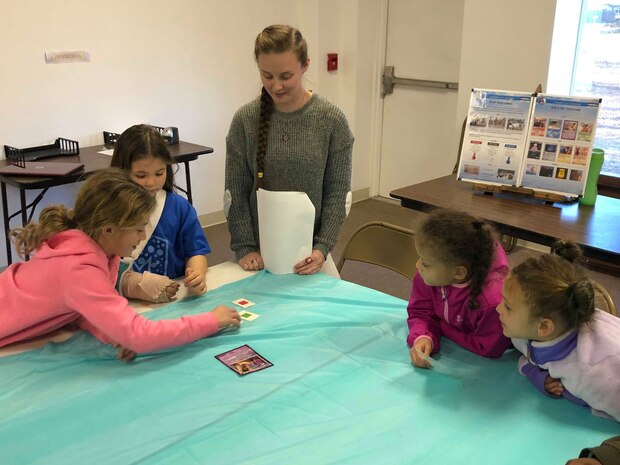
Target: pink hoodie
[
  {"x": 70, "y": 279},
  {"x": 436, "y": 311}
]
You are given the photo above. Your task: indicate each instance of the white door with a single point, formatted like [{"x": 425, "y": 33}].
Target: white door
[{"x": 420, "y": 133}]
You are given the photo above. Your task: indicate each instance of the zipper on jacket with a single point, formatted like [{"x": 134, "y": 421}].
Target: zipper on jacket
[{"x": 445, "y": 304}]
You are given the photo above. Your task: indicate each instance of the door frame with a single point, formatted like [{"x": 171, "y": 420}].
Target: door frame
[{"x": 377, "y": 110}]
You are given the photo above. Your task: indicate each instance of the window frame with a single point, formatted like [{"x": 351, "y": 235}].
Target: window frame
[{"x": 565, "y": 42}]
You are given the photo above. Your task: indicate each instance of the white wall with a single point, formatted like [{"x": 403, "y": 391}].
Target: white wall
[
  {"x": 187, "y": 63},
  {"x": 505, "y": 45}
]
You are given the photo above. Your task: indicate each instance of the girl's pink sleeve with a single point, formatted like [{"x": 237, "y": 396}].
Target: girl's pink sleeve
[
  {"x": 422, "y": 319},
  {"x": 487, "y": 338},
  {"x": 108, "y": 316}
]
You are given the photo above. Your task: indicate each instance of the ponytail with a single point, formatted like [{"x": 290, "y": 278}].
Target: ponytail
[
  {"x": 107, "y": 197},
  {"x": 556, "y": 287},
  {"x": 485, "y": 244},
  {"x": 52, "y": 220}
]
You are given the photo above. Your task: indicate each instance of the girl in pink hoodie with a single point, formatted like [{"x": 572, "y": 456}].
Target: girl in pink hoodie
[
  {"x": 71, "y": 277},
  {"x": 461, "y": 269}
]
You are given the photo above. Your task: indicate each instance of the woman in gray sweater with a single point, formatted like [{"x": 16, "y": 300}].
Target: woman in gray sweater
[{"x": 288, "y": 139}]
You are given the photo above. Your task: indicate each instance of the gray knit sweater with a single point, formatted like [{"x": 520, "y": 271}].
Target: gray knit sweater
[{"x": 309, "y": 150}]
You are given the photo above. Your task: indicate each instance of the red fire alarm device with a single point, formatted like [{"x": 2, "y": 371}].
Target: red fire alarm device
[{"x": 332, "y": 62}]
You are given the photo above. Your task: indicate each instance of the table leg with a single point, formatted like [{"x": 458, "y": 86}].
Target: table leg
[
  {"x": 5, "y": 218},
  {"x": 24, "y": 212},
  {"x": 188, "y": 182}
]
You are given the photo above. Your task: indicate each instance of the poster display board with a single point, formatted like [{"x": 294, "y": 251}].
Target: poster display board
[{"x": 536, "y": 141}]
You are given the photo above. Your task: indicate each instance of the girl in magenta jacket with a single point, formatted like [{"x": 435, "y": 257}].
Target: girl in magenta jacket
[
  {"x": 461, "y": 269},
  {"x": 71, "y": 277}
]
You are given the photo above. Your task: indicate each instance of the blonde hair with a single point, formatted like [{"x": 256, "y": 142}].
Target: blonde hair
[{"x": 108, "y": 197}]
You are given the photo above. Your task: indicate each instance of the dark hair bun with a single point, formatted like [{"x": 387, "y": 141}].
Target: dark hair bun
[
  {"x": 580, "y": 302},
  {"x": 568, "y": 250}
]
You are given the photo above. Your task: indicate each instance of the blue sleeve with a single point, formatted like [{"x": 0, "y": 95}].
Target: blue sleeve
[
  {"x": 537, "y": 377},
  {"x": 575, "y": 400},
  {"x": 192, "y": 237}
]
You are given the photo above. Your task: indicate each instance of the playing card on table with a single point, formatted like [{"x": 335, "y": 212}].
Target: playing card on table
[
  {"x": 243, "y": 303},
  {"x": 244, "y": 360},
  {"x": 248, "y": 316}
]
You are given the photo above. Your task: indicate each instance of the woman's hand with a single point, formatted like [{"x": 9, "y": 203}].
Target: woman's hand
[
  {"x": 554, "y": 386},
  {"x": 312, "y": 264},
  {"x": 226, "y": 317},
  {"x": 423, "y": 345},
  {"x": 252, "y": 262}
]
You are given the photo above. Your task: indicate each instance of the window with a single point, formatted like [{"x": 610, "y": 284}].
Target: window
[{"x": 585, "y": 60}]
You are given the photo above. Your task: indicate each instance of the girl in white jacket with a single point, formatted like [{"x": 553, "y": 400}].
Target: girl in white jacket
[{"x": 570, "y": 349}]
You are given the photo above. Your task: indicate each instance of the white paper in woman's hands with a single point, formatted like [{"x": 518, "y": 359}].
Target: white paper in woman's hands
[{"x": 286, "y": 229}]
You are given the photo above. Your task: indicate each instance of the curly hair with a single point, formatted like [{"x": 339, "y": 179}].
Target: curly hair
[{"x": 460, "y": 239}]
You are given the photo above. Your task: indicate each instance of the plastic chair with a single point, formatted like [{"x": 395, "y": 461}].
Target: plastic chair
[
  {"x": 603, "y": 300},
  {"x": 385, "y": 245}
]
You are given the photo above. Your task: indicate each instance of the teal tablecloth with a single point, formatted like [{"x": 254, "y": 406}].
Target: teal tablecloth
[{"x": 342, "y": 390}]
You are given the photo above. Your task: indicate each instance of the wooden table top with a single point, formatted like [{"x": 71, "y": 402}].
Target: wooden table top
[
  {"x": 93, "y": 161},
  {"x": 595, "y": 228}
]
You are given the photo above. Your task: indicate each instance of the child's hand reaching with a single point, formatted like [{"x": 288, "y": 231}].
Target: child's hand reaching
[
  {"x": 226, "y": 316},
  {"x": 124, "y": 354},
  {"x": 425, "y": 346},
  {"x": 195, "y": 282},
  {"x": 554, "y": 386},
  {"x": 171, "y": 291}
]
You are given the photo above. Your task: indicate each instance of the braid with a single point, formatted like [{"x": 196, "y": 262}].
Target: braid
[
  {"x": 481, "y": 262},
  {"x": 277, "y": 38},
  {"x": 266, "y": 110}
]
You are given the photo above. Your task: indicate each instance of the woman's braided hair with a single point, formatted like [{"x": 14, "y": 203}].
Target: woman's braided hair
[{"x": 274, "y": 39}]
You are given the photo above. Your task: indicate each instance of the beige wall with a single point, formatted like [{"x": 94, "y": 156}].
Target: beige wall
[
  {"x": 186, "y": 63},
  {"x": 189, "y": 64},
  {"x": 505, "y": 45}
]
